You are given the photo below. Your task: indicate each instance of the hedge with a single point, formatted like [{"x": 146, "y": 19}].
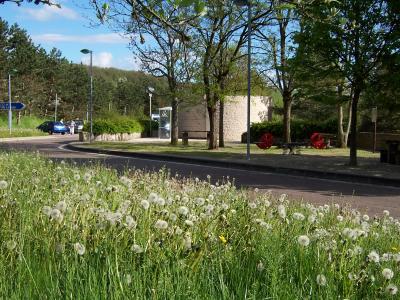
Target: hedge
[
  {"x": 114, "y": 126},
  {"x": 300, "y": 129}
]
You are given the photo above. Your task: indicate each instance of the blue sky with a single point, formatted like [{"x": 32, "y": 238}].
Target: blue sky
[{"x": 69, "y": 30}]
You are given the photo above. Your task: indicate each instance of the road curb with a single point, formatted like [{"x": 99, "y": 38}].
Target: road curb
[{"x": 244, "y": 166}]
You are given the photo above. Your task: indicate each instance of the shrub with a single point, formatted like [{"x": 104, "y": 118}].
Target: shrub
[
  {"x": 300, "y": 129},
  {"x": 114, "y": 126}
]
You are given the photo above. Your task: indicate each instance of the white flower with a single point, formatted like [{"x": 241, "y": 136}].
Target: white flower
[
  {"x": 282, "y": 211},
  {"x": 396, "y": 257},
  {"x": 312, "y": 218},
  {"x": 321, "y": 280},
  {"x": 87, "y": 177},
  {"x": 252, "y": 205},
  {"x": 187, "y": 242},
  {"x": 386, "y": 213},
  {"x": 178, "y": 231},
  {"x": 373, "y": 256},
  {"x": 77, "y": 176},
  {"x": 386, "y": 257},
  {"x": 199, "y": 201},
  {"x": 303, "y": 240},
  {"x": 387, "y": 273},
  {"x": 145, "y": 204},
  {"x": 56, "y": 215},
  {"x": 183, "y": 210},
  {"x": 173, "y": 217},
  {"x": 11, "y": 245},
  {"x": 3, "y": 184},
  {"x": 339, "y": 218},
  {"x": 189, "y": 223},
  {"x": 61, "y": 206},
  {"x": 391, "y": 289},
  {"x": 152, "y": 197},
  {"x": 298, "y": 216},
  {"x": 358, "y": 250},
  {"x": 79, "y": 248},
  {"x": 161, "y": 224},
  {"x": 260, "y": 266},
  {"x": 209, "y": 209},
  {"x": 137, "y": 249},
  {"x": 365, "y": 218},
  {"x": 282, "y": 197},
  {"x": 160, "y": 201},
  {"x": 130, "y": 222},
  {"x": 128, "y": 279},
  {"x": 46, "y": 210}
]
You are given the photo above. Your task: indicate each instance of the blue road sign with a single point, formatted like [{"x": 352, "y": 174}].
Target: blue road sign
[{"x": 14, "y": 106}]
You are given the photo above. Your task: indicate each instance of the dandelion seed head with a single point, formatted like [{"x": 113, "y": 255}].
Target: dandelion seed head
[
  {"x": 391, "y": 289},
  {"x": 145, "y": 204},
  {"x": 386, "y": 213},
  {"x": 79, "y": 248},
  {"x": 298, "y": 216},
  {"x": 373, "y": 256},
  {"x": 260, "y": 266},
  {"x": 46, "y": 210},
  {"x": 183, "y": 210},
  {"x": 11, "y": 245},
  {"x": 137, "y": 249},
  {"x": 303, "y": 240},
  {"x": 387, "y": 273},
  {"x": 161, "y": 224},
  {"x": 321, "y": 280},
  {"x": 339, "y": 218},
  {"x": 3, "y": 184}
]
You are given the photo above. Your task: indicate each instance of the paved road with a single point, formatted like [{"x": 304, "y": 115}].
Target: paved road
[{"x": 369, "y": 198}]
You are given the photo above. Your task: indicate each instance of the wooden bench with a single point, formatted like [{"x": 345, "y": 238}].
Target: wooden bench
[{"x": 185, "y": 135}]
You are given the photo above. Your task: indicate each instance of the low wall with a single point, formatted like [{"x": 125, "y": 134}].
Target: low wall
[
  {"x": 365, "y": 140},
  {"x": 84, "y": 137}
]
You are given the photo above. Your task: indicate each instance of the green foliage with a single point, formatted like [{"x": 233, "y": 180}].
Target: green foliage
[
  {"x": 115, "y": 125},
  {"x": 26, "y": 122},
  {"x": 301, "y": 129}
]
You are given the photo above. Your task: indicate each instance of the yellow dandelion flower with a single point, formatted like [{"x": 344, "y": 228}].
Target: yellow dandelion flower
[{"x": 223, "y": 239}]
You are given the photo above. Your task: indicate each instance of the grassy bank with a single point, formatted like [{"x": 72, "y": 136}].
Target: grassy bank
[
  {"x": 26, "y": 127},
  {"x": 88, "y": 233}
]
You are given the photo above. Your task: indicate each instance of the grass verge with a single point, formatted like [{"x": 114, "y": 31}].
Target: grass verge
[{"x": 89, "y": 233}]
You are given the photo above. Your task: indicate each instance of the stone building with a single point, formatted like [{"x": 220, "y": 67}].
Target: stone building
[{"x": 195, "y": 117}]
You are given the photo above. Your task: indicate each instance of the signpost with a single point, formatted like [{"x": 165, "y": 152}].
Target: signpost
[
  {"x": 374, "y": 117},
  {"x": 14, "y": 106}
]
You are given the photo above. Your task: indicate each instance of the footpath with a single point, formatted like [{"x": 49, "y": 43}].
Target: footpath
[{"x": 369, "y": 170}]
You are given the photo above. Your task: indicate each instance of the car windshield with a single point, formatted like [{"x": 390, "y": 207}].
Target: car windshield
[{"x": 58, "y": 124}]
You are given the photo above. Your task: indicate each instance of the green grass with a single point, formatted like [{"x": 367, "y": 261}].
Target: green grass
[
  {"x": 26, "y": 127},
  {"x": 232, "y": 150},
  {"x": 218, "y": 242}
]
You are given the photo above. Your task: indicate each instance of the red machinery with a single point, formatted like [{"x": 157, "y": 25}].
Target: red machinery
[
  {"x": 317, "y": 141},
  {"x": 265, "y": 141}
]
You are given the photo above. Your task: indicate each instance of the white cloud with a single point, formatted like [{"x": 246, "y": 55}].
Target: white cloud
[
  {"x": 46, "y": 13},
  {"x": 106, "y": 38},
  {"x": 102, "y": 59}
]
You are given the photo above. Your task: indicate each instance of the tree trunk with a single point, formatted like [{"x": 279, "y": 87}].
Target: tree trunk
[
  {"x": 212, "y": 113},
  {"x": 346, "y": 136},
  {"x": 174, "y": 122},
  {"x": 221, "y": 123},
  {"x": 353, "y": 127},
  {"x": 287, "y": 108},
  {"x": 340, "y": 132}
]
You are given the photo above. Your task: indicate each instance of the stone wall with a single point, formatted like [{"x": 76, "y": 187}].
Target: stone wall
[
  {"x": 195, "y": 118},
  {"x": 84, "y": 137}
]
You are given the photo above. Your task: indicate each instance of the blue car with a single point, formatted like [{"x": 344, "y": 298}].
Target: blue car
[{"x": 53, "y": 127}]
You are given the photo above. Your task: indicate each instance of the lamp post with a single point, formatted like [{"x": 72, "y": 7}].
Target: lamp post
[
  {"x": 87, "y": 51},
  {"x": 247, "y": 3},
  {"x": 150, "y": 91}
]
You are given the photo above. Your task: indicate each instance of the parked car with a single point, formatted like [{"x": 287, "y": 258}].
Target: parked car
[
  {"x": 53, "y": 127},
  {"x": 78, "y": 125}
]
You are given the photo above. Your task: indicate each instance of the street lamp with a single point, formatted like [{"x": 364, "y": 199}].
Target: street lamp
[
  {"x": 87, "y": 51},
  {"x": 150, "y": 91},
  {"x": 9, "y": 100},
  {"x": 247, "y": 3}
]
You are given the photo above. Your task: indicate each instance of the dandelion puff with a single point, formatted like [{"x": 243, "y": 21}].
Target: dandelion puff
[
  {"x": 252, "y": 205},
  {"x": 87, "y": 177},
  {"x": 396, "y": 257},
  {"x": 339, "y": 218},
  {"x": 321, "y": 280},
  {"x": 137, "y": 249},
  {"x": 386, "y": 256},
  {"x": 298, "y": 216},
  {"x": 61, "y": 206},
  {"x": 183, "y": 210},
  {"x": 187, "y": 242},
  {"x": 79, "y": 248},
  {"x": 391, "y": 289},
  {"x": 145, "y": 204},
  {"x": 152, "y": 197},
  {"x": 303, "y": 240},
  {"x": 260, "y": 266},
  {"x": 11, "y": 245},
  {"x": 199, "y": 201},
  {"x": 130, "y": 222},
  {"x": 282, "y": 197},
  {"x": 128, "y": 279},
  {"x": 386, "y": 213},
  {"x": 365, "y": 218},
  {"x": 312, "y": 218},
  {"x": 160, "y": 201},
  {"x": 189, "y": 223},
  {"x": 282, "y": 211},
  {"x": 56, "y": 215},
  {"x": 46, "y": 210},
  {"x": 178, "y": 231},
  {"x": 77, "y": 176},
  {"x": 161, "y": 224},
  {"x": 3, "y": 184},
  {"x": 173, "y": 217},
  {"x": 387, "y": 273},
  {"x": 373, "y": 256}
]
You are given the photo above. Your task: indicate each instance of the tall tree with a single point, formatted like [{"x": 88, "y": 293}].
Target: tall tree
[{"x": 359, "y": 33}]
